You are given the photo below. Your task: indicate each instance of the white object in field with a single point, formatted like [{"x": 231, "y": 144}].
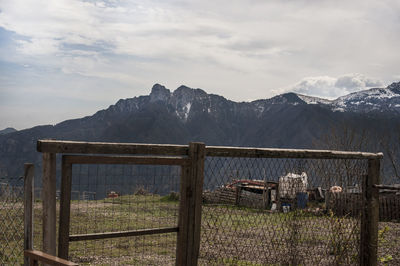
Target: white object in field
[
  {"x": 273, "y": 207},
  {"x": 286, "y": 209},
  {"x": 291, "y": 184},
  {"x": 273, "y": 195},
  {"x": 335, "y": 189}
]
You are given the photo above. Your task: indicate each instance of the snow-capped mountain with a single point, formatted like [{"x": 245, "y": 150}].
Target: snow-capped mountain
[
  {"x": 184, "y": 102},
  {"x": 376, "y": 100},
  {"x": 314, "y": 100},
  {"x": 288, "y": 120},
  {"x": 369, "y": 101}
]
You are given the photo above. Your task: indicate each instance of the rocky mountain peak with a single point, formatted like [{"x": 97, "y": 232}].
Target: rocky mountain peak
[
  {"x": 285, "y": 121},
  {"x": 183, "y": 89},
  {"x": 159, "y": 93},
  {"x": 376, "y": 100},
  {"x": 287, "y": 98},
  {"x": 184, "y": 92},
  {"x": 395, "y": 87},
  {"x": 183, "y": 98}
]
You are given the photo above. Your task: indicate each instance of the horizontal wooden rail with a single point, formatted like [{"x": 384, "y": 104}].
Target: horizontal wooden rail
[
  {"x": 386, "y": 187},
  {"x": 62, "y": 146},
  {"x": 149, "y": 160},
  {"x": 219, "y": 151},
  {"x": 123, "y": 234},
  {"x": 36, "y": 256}
]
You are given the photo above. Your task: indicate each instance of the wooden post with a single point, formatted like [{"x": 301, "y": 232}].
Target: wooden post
[
  {"x": 370, "y": 215},
  {"x": 185, "y": 194},
  {"x": 267, "y": 197},
  {"x": 29, "y": 171},
  {"x": 192, "y": 177},
  {"x": 65, "y": 207},
  {"x": 237, "y": 195},
  {"x": 278, "y": 199},
  {"x": 49, "y": 203}
]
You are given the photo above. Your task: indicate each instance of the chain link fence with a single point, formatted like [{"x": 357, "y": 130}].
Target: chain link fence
[
  {"x": 12, "y": 221},
  {"x": 268, "y": 211},
  {"x": 255, "y": 211},
  {"x": 123, "y": 198}
]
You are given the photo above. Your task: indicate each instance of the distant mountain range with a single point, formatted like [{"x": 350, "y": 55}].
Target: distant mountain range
[
  {"x": 289, "y": 120},
  {"x": 7, "y": 130},
  {"x": 373, "y": 101}
]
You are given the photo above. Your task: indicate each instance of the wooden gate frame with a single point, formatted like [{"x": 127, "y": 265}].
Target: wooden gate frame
[
  {"x": 192, "y": 176},
  {"x": 190, "y": 158}
]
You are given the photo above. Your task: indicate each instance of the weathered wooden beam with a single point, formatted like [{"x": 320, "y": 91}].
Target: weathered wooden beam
[
  {"x": 387, "y": 187},
  {"x": 123, "y": 234},
  {"x": 370, "y": 215},
  {"x": 29, "y": 171},
  {"x": 185, "y": 194},
  {"x": 36, "y": 256},
  {"x": 238, "y": 192},
  {"x": 220, "y": 151},
  {"x": 197, "y": 152},
  {"x": 192, "y": 178},
  {"x": 60, "y": 146},
  {"x": 147, "y": 160},
  {"x": 65, "y": 208},
  {"x": 49, "y": 203}
]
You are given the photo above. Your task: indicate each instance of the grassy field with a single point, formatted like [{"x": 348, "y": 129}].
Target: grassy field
[
  {"x": 131, "y": 212},
  {"x": 230, "y": 235}
]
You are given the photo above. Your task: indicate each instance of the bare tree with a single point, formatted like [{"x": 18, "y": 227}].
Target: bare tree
[
  {"x": 347, "y": 138},
  {"x": 390, "y": 145},
  {"x": 343, "y": 137}
]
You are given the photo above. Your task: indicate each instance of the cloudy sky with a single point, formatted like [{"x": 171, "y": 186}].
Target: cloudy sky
[{"x": 69, "y": 58}]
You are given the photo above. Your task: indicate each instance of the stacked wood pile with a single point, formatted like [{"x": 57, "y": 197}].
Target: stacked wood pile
[
  {"x": 221, "y": 195},
  {"x": 344, "y": 204},
  {"x": 252, "y": 200},
  {"x": 389, "y": 207},
  {"x": 226, "y": 195},
  {"x": 349, "y": 204}
]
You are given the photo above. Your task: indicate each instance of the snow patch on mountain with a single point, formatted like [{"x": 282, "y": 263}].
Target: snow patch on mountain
[
  {"x": 371, "y": 100},
  {"x": 187, "y": 110},
  {"x": 376, "y": 93},
  {"x": 313, "y": 100},
  {"x": 181, "y": 102}
]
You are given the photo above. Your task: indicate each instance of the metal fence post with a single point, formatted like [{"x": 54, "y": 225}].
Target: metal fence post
[
  {"x": 29, "y": 170},
  {"x": 370, "y": 215},
  {"x": 192, "y": 178}
]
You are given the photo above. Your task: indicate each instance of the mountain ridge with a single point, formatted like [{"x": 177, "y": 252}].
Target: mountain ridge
[
  {"x": 184, "y": 95},
  {"x": 288, "y": 120},
  {"x": 7, "y": 130}
]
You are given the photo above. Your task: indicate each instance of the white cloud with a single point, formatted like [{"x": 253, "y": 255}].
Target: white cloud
[
  {"x": 37, "y": 47},
  {"x": 269, "y": 35},
  {"x": 242, "y": 49},
  {"x": 330, "y": 87},
  {"x": 355, "y": 82}
]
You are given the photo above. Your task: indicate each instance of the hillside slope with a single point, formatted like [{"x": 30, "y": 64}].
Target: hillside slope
[{"x": 285, "y": 121}]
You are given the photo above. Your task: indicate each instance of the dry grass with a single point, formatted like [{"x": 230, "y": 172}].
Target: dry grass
[{"x": 230, "y": 235}]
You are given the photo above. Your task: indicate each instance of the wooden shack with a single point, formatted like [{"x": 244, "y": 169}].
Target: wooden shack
[{"x": 253, "y": 193}]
